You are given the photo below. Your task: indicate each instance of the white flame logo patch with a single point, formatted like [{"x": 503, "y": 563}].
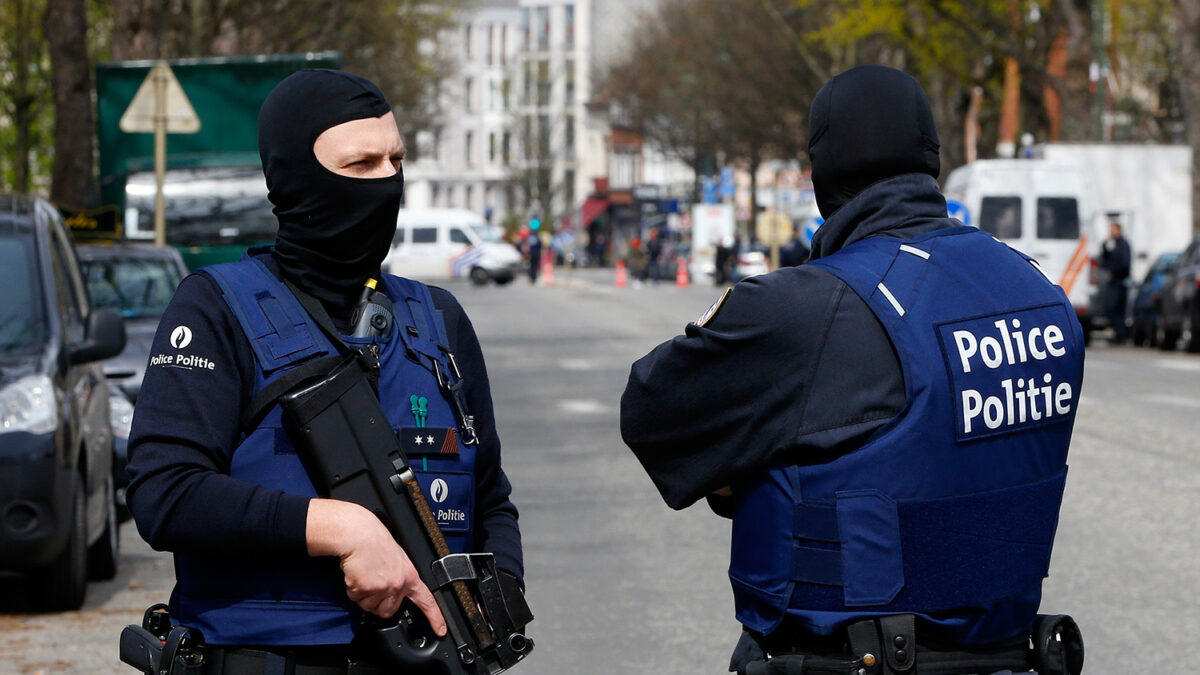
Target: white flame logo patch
[
  {"x": 439, "y": 490},
  {"x": 181, "y": 337}
]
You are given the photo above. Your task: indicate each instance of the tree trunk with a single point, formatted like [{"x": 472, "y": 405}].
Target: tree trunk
[
  {"x": 23, "y": 99},
  {"x": 1188, "y": 17},
  {"x": 65, "y": 26}
]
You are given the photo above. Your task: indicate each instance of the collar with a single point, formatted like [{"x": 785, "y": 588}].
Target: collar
[{"x": 903, "y": 206}]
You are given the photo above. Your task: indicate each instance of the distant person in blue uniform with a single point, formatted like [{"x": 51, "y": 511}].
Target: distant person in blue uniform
[
  {"x": 887, "y": 425},
  {"x": 1115, "y": 258},
  {"x": 276, "y": 577}
]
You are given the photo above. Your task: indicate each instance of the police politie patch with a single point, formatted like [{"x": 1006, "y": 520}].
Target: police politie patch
[{"x": 1010, "y": 371}]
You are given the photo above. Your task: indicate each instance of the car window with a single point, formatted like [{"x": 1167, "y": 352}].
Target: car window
[
  {"x": 1001, "y": 217},
  {"x": 22, "y": 314},
  {"x": 1164, "y": 265},
  {"x": 65, "y": 293},
  {"x": 398, "y": 238},
  {"x": 1057, "y": 218},
  {"x": 424, "y": 235},
  {"x": 135, "y": 287},
  {"x": 457, "y": 236}
]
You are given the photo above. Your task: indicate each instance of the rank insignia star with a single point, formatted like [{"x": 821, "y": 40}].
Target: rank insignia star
[
  {"x": 429, "y": 439},
  {"x": 418, "y": 440}
]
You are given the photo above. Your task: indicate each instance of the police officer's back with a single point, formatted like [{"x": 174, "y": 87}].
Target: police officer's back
[{"x": 887, "y": 425}]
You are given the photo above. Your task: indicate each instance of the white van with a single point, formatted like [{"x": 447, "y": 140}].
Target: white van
[
  {"x": 1043, "y": 208},
  {"x": 449, "y": 243}
]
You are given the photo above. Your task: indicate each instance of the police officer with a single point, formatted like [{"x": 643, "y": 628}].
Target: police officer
[
  {"x": 887, "y": 425},
  {"x": 1115, "y": 258},
  {"x": 274, "y": 577}
]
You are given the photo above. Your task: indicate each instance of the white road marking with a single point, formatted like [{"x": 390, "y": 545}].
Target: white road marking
[
  {"x": 583, "y": 406},
  {"x": 1171, "y": 364},
  {"x": 1168, "y": 399}
]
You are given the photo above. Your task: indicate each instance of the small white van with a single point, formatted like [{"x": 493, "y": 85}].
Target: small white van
[
  {"x": 1043, "y": 208},
  {"x": 449, "y": 243}
]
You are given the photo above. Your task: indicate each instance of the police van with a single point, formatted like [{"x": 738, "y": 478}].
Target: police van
[
  {"x": 433, "y": 244},
  {"x": 1057, "y": 206},
  {"x": 1043, "y": 208}
]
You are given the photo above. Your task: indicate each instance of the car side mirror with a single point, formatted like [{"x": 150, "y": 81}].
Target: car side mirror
[{"x": 105, "y": 337}]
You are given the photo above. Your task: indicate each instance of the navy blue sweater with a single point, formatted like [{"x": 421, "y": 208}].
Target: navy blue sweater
[{"x": 185, "y": 429}]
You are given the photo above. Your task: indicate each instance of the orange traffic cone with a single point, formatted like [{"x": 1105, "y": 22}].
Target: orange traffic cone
[
  {"x": 681, "y": 273},
  {"x": 621, "y": 276},
  {"x": 548, "y": 267}
]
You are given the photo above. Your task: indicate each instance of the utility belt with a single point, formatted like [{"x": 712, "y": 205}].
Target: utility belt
[{"x": 888, "y": 645}]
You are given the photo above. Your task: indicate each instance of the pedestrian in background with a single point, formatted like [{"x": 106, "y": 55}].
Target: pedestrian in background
[
  {"x": 887, "y": 425},
  {"x": 1115, "y": 259}
]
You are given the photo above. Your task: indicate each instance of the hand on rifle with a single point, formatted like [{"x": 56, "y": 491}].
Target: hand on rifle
[{"x": 378, "y": 573}]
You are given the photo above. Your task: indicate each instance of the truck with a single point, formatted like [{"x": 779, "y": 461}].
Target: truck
[
  {"x": 215, "y": 193},
  {"x": 1056, "y": 206}
]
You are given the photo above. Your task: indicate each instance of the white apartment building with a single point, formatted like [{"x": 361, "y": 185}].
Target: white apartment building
[
  {"x": 516, "y": 133},
  {"x": 465, "y": 162}
]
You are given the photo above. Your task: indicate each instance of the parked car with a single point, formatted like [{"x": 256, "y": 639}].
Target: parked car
[
  {"x": 1143, "y": 311},
  {"x": 1179, "y": 303},
  {"x": 138, "y": 281},
  {"x": 751, "y": 261},
  {"x": 445, "y": 243},
  {"x": 58, "y": 517}
]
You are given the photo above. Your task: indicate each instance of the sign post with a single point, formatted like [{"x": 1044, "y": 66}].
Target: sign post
[{"x": 160, "y": 107}]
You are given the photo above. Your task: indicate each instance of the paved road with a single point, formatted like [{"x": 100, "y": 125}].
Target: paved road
[{"x": 621, "y": 584}]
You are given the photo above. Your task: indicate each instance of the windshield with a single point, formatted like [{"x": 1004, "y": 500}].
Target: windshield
[
  {"x": 22, "y": 314},
  {"x": 204, "y": 206},
  {"x": 485, "y": 232},
  {"x": 136, "y": 288}
]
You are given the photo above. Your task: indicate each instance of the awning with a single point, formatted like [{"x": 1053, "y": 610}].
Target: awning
[{"x": 591, "y": 209}]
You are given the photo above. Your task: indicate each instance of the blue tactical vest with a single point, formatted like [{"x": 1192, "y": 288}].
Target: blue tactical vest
[
  {"x": 303, "y": 601},
  {"x": 949, "y": 511}
]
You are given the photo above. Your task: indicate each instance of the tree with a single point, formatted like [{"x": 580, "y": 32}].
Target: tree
[
  {"x": 24, "y": 93},
  {"x": 73, "y": 181}
]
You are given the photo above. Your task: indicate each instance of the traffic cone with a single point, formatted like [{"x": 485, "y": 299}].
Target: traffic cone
[
  {"x": 681, "y": 273},
  {"x": 621, "y": 276},
  {"x": 547, "y": 267}
]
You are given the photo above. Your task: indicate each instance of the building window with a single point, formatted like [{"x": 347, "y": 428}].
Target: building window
[
  {"x": 543, "y": 28},
  {"x": 570, "y": 81},
  {"x": 469, "y": 197},
  {"x": 528, "y": 98},
  {"x": 543, "y": 135},
  {"x": 491, "y": 44},
  {"x": 569, "y": 188},
  {"x": 504, "y": 44},
  {"x": 467, "y": 42},
  {"x": 569, "y": 137},
  {"x": 491, "y": 102},
  {"x": 469, "y": 156},
  {"x": 506, "y": 147},
  {"x": 492, "y": 148},
  {"x": 570, "y": 26},
  {"x": 543, "y": 83},
  {"x": 527, "y": 138},
  {"x": 525, "y": 27},
  {"x": 469, "y": 94},
  {"x": 505, "y": 89}
]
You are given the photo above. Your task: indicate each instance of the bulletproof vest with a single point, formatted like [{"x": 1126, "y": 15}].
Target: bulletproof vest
[
  {"x": 948, "y": 511},
  {"x": 259, "y": 601}
]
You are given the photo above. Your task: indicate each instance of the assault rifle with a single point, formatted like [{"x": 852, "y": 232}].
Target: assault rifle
[{"x": 346, "y": 443}]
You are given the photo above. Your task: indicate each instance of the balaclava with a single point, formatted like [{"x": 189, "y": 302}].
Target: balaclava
[
  {"x": 867, "y": 124},
  {"x": 334, "y": 230}
]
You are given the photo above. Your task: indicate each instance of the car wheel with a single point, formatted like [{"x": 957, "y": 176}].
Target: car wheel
[
  {"x": 1152, "y": 332},
  {"x": 1137, "y": 333},
  {"x": 1189, "y": 334},
  {"x": 479, "y": 276},
  {"x": 1165, "y": 338},
  {"x": 62, "y": 585},
  {"x": 103, "y": 555}
]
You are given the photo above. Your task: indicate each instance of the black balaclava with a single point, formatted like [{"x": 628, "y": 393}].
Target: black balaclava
[
  {"x": 867, "y": 124},
  {"x": 334, "y": 230}
]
